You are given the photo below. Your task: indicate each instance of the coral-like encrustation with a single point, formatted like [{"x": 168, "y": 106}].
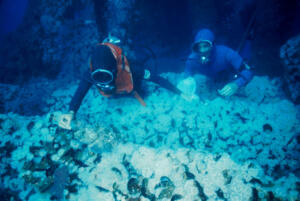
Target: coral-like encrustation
[
  {"x": 290, "y": 55},
  {"x": 209, "y": 149}
]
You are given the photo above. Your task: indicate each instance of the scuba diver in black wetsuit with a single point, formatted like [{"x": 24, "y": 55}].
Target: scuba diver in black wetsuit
[{"x": 111, "y": 73}]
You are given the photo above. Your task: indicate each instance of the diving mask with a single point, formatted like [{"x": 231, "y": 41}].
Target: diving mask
[
  {"x": 111, "y": 39},
  {"x": 104, "y": 80},
  {"x": 204, "y": 49}
]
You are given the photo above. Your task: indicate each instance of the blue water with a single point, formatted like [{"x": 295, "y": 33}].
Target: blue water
[{"x": 11, "y": 15}]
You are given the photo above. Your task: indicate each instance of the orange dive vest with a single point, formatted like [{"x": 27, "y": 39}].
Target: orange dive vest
[{"x": 123, "y": 82}]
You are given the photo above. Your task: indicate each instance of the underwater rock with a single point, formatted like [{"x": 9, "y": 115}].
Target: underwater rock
[
  {"x": 29, "y": 178},
  {"x": 7, "y": 195},
  {"x": 257, "y": 181},
  {"x": 267, "y": 128},
  {"x": 74, "y": 177},
  {"x": 87, "y": 135},
  {"x": 162, "y": 123},
  {"x": 227, "y": 177},
  {"x": 28, "y": 165},
  {"x": 186, "y": 140},
  {"x": 75, "y": 144},
  {"x": 73, "y": 156},
  {"x": 133, "y": 186},
  {"x": 262, "y": 89},
  {"x": 79, "y": 163},
  {"x": 134, "y": 199},
  {"x": 116, "y": 170},
  {"x": 34, "y": 149},
  {"x": 129, "y": 167},
  {"x": 201, "y": 193},
  {"x": 220, "y": 194},
  {"x": 176, "y": 197},
  {"x": 45, "y": 184},
  {"x": 298, "y": 187},
  {"x": 50, "y": 171},
  {"x": 145, "y": 191},
  {"x": 118, "y": 194},
  {"x": 255, "y": 196},
  {"x": 167, "y": 187},
  {"x": 66, "y": 155},
  {"x": 101, "y": 140},
  {"x": 73, "y": 188},
  {"x": 43, "y": 165},
  {"x": 187, "y": 174},
  {"x": 101, "y": 189},
  {"x": 30, "y": 125},
  {"x": 290, "y": 55},
  {"x": 97, "y": 159},
  {"x": 270, "y": 197},
  {"x": 7, "y": 149}
]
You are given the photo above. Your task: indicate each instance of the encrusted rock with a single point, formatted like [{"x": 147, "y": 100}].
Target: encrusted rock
[
  {"x": 133, "y": 186},
  {"x": 167, "y": 187},
  {"x": 290, "y": 55},
  {"x": 45, "y": 184},
  {"x": 267, "y": 128}
]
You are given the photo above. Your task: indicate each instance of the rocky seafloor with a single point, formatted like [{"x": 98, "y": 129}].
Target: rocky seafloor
[{"x": 242, "y": 148}]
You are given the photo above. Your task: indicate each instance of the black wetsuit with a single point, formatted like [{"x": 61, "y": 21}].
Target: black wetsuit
[{"x": 137, "y": 76}]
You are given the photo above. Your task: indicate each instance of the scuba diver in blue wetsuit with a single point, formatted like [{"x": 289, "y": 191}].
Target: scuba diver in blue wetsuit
[{"x": 215, "y": 61}]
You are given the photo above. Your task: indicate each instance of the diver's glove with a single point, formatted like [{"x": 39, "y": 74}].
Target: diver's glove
[
  {"x": 229, "y": 89},
  {"x": 65, "y": 120},
  {"x": 188, "y": 89}
]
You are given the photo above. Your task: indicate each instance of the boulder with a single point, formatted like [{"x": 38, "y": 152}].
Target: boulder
[{"x": 290, "y": 56}]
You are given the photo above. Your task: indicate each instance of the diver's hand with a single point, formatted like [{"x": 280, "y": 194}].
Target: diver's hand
[
  {"x": 229, "y": 89},
  {"x": 65, "y": 120}
]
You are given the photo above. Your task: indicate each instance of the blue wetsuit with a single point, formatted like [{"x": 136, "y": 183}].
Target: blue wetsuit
[{"x": 222, "y": 59}]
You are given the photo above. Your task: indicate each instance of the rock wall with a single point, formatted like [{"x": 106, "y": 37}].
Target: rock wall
[
  {"x": 54, "y": 37},
  {"x": 290, "y": 56}
]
